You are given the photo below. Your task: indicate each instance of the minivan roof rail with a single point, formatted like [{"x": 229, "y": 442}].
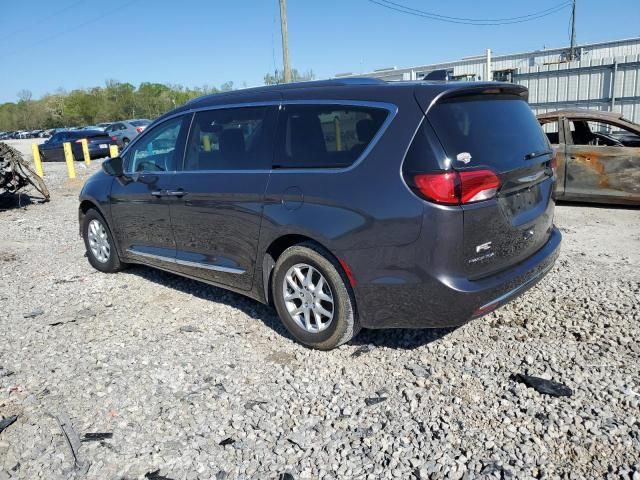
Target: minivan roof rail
[{"x": 333, "y": 82}]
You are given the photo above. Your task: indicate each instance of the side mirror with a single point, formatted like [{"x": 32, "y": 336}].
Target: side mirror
[{"x": 113, "y": 167}]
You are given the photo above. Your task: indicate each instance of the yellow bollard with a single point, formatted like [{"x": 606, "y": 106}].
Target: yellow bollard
[
  {"x": 68, "y": 156},
  {"x": 36, "y": 159},
  {"x": 113, "y": 151},
  {"x": 336, "y": 125},
  {"x": 85, "y": 152}
]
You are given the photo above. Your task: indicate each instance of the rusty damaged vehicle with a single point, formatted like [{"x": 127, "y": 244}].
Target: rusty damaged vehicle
[{"x": 597, "y": 154}]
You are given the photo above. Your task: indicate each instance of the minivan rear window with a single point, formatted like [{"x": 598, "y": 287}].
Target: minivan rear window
[
  {"x": 487, "y": 130},
  {"x": 325, "y": 136}
]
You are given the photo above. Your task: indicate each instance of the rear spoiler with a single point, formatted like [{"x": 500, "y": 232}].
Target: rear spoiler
[{"x": 427, "y": 98}]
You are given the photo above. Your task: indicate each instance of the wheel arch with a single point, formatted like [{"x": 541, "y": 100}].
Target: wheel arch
[{"x": 278, "y": 246}]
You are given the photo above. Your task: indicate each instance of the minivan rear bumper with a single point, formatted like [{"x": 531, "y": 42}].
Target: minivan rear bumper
[{"x": 450, "y": 301}]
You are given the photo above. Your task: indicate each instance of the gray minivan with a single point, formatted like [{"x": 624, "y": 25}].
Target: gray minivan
[{"x": 344, "y": 203}]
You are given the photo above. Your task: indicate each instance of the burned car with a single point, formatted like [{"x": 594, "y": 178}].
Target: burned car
[{"x": 597, "y": 154}]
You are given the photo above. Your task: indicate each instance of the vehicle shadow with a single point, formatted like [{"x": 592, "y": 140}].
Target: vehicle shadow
[
  {"x": 10, "y": 201},
  {"x": 567, "y": 203},
  {"x": 400, "y": 338},
  {"x": 396, "y": 338},
  {"x": 248, "y": 306}
]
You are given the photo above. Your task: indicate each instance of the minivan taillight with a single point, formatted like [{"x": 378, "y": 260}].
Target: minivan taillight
[{"x": 455, "y": 188}]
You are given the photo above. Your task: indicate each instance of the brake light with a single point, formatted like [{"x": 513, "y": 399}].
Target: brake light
[
  {"x": 139, "y": 129},
  {"x": 115, "y": 139},
  {"x": 439, "y": 187},
  {"x": 478, "y": 185},
  {"x": 455, "y": 188}
]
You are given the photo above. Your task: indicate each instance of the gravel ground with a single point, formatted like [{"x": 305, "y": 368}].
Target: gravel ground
[{"x": 197, "y": 383}]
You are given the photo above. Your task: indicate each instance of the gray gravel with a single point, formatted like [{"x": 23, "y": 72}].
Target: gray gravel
[{"x": 198, "y": 383}]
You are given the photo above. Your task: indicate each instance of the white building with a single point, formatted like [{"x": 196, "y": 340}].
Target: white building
[{"x": 605, "y": 76}]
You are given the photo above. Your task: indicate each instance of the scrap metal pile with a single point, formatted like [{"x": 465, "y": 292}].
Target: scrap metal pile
[{"x": 16, "y": 174}]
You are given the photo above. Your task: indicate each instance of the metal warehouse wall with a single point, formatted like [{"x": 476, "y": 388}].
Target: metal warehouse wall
[{"x": 607, "y": 76}]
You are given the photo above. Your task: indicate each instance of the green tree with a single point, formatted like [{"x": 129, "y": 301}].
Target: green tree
[{"x": 278, "y": 77}]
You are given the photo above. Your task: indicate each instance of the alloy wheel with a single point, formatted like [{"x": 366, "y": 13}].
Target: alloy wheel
[
  {"x": 99, "y": 241},
  {"x": 308, "y": 298}
]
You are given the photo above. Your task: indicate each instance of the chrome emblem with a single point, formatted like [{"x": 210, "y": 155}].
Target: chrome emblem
[
  {"x": 483, "y": 247},
  {"x": 464, "y": 157}
]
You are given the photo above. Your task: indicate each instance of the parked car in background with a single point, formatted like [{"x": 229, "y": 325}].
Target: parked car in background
[
  {"x": 98, "y": 142},
  {"x": 598, "y": 155},
  {"x": 344, "y": 203},
  {"x": 123, "y": 132},
  {"x": 103, "y": 126}
]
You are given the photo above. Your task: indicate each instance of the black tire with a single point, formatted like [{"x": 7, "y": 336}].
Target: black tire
[
  {"x": 344, "y": 325},
  {"x": 112, "y": 263},
  {"x": 125, "y": 142}
]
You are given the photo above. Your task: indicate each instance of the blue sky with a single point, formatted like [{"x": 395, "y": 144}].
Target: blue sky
[{"x": 51, "y": 44}]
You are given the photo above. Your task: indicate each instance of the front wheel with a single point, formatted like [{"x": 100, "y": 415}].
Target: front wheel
[
  {"x": 99, "y": 243},
  {"x": 313, "y": 298}
]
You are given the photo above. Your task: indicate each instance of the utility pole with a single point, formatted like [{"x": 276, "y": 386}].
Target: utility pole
[
  {"x": 572, "y": 52},
  {"x": 285, "y": 41}
]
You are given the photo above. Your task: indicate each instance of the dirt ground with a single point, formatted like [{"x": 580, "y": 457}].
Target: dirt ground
[{"x": 193, "y": 382}]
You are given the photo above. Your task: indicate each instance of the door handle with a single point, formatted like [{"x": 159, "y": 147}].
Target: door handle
[{"x": 176, "y": 193}]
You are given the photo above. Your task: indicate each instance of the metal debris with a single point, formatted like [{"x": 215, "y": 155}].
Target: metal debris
[
  {"x": 34, "y": 313},
  {"x": 374, "y": 400},
  {"x": 155, "y": 475},
  {"x": 72, "y": 439},
  {"x": 96, "y": 436},
  {"x": 5, "y": 422},
  {"x": 362, "y": 350},
  {"x": 541, "y": 385},
  {"x": 16, "y": 174}
]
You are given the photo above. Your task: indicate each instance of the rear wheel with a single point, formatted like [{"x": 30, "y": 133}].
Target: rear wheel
[
  {"x": 99, "y": 243},
  {"x": 125, "y": 142},
  {"x": 313, "y": 298}
]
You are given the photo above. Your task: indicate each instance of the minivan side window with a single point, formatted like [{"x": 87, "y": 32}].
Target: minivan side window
[
  {"x": 325, "y": 136},
  {"x": 157, "y": 150},
  {"x": 230, "y": 139}
]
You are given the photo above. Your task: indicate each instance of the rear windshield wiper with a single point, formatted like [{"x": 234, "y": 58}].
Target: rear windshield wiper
[{"x": 531, "y": 155}]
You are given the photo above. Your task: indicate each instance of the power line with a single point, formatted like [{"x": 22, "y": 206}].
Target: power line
[
  {"x": 68, "y": 30},
  {"x": 470, "y": 21},
  {"x": 42, "y": 20}
]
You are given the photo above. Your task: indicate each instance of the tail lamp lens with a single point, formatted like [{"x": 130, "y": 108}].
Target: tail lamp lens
[
  {"x": 554, "y": 164},
  {"x": 455, "y": 188}
]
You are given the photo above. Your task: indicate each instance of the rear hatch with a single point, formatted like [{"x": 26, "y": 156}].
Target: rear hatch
[{"x": 492, "y": 129}]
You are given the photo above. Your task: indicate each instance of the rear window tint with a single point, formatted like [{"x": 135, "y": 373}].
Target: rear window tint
[
  {"x": 496, "y": 132},
  {"x": 140, "y": 123},
  {"x": 325, "y": 136}
]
